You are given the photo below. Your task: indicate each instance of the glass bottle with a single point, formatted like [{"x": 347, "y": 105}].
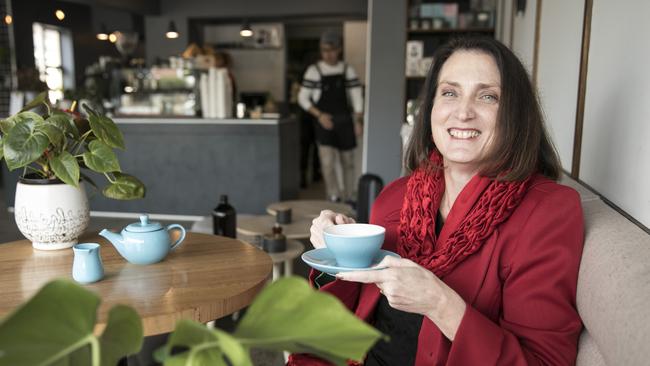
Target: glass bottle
[{"x": 224, "y": 218}]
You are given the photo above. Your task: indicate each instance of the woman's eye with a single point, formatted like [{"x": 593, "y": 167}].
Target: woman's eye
[
  {"x": 490, "y": 97},
  {"x": 447, "y": 93}
]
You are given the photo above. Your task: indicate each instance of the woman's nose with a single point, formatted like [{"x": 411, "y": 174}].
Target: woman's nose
[{"x": 465, "y": 110}]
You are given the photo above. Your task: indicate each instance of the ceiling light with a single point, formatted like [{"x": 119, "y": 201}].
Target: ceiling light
[
  {"x": 59, "y": 14},
  {"x": 171, "y": 31},
  {"x": 9, "y": 19},
  {"x": 112, "y": 37},
  {"x": 246, "y": 30},
  {"x": 103, "y": 33}
]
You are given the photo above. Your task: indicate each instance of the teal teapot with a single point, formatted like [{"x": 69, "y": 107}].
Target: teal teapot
[{"x": 144, "y": 242}]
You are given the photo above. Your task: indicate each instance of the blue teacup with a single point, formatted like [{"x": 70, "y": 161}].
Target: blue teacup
[{"x": 354, "y": 245}]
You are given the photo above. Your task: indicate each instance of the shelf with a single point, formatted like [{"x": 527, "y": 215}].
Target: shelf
[{"x": 451, "y": 30}]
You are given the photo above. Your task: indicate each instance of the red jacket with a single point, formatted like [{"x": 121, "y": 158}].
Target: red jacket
[{"x": 519, "y": 287}]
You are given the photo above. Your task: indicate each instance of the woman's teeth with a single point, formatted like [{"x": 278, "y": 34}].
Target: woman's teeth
[{"x": 463, "y": 134}]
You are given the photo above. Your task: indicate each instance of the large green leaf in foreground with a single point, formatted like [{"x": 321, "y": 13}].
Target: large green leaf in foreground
[
  {"x": 55, "y": 327},
  {"x": 123, "y": 335},
  {"x": 206, "y": 347},
  {"x": 59, "y": 319},
  {"x": 290, "y": 315}
]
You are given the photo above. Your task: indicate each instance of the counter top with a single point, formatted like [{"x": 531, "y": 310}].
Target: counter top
[{"x": 199, "y": 121}]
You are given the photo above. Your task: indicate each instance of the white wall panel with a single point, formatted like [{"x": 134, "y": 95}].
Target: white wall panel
[
  {"x": 615, "y": 144},
  {"x": 559, "y": 69},
  {"x": 523, "y": 37}
]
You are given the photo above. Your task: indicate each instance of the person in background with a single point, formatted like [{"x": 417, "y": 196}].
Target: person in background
[
  {"x": 223, "y": 59},
  {"x": 331, "y": 93},
  {"x": 490, "y": 243}
]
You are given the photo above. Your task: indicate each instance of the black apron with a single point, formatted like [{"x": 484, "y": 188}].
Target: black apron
[{"x": 334, "y": 101}]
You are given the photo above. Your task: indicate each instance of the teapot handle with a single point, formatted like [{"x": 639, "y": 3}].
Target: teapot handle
[{"x": 178, "y": 242}]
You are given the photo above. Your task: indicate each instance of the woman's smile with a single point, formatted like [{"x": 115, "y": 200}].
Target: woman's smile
[{"x": 463, "y": 133}]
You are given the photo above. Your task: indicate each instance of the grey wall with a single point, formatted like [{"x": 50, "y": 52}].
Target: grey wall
[
  {"x": 159, "y": 46},
  {"x": 385, "y": 88},
  {"x": 185, "y": 167}
]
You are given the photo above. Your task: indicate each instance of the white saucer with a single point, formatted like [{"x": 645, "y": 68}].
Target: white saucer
[{"x": 323, "y": 260}]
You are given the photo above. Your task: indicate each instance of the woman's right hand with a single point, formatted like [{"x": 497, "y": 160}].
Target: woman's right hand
[
  {"x": 326, "y": 218},
  {"x": 325, "y": 120}
]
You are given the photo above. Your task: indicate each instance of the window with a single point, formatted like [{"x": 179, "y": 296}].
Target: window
[{"x": 54, "y": 58}]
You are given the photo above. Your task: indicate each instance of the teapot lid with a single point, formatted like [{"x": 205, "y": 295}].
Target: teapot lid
[{"x": 144, "y": 225}]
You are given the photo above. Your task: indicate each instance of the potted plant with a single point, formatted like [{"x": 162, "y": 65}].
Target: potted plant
[{"x": 51, "y": 207}]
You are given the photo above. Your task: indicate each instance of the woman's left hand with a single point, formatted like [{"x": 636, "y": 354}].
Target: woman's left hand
[{"x": 414, "y": 289}]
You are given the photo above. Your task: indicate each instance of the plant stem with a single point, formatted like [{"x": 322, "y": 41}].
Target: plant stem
[
  {"x": 109, "y": 178},
  {"x": 83, "y": 139},
  {"x": 68, "y": 350},
  {"x": 95, "y": 351}
]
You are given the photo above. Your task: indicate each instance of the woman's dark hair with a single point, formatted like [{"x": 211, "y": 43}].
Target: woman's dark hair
[{"x": 521, "y": 144}]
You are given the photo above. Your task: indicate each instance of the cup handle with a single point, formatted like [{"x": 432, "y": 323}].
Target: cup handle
[{"x": 178, "y": 242}]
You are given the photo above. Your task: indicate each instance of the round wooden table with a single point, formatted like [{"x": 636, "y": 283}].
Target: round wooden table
[
  {"x": 257, "y": 225},
  {"x": 294, "y": 248},
  {"x": 309, "y": 208},
  {"x": 206, "y": 278}
]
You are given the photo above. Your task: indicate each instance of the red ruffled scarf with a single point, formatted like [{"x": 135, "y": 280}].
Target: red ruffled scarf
[{"x": 417, "y": 228}]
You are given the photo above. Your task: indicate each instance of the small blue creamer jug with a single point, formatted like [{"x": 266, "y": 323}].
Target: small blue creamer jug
[{"x": 87, "y": 266}]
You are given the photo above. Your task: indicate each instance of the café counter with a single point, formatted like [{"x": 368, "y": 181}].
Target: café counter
[{"x": 187, "y": 163}]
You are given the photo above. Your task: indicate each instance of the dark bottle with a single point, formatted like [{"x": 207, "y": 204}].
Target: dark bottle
[{"x": 224, "y": 218}]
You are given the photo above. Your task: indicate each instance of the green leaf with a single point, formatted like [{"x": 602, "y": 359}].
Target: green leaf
[
  {"x": 289, "y": 315},
  {"x": 236, "y": 353},
  {"x": 53, "y": 133},
  {"x": 106, "y": 130},
  {"x": 123, "y": 335},
  {"x": 126, "y": 187},
  {"x": 101, "y": 158},
  {"x": 81, "y": 356},
  {"x": 9, "y": 123},
  {"x": 24, "y": 144},
  {"x": 89, "y": 110},
  {"x": 58, "y": 320},
  {"x": 202, "y": 342},
  {"x": 64, "y": 122},
  {"x": 66, "y": 168},
  {"x": 40, "y": 99}
]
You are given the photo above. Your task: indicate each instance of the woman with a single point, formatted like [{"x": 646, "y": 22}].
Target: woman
[
  {"x": 490, "y": 244},
  {"x": 331, "y": 93}
]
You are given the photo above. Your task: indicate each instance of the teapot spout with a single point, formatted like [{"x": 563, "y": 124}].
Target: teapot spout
[{"x": 116, "y": 239}]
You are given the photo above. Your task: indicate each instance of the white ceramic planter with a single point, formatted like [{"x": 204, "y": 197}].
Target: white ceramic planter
[{"x": 52, "y": 216}]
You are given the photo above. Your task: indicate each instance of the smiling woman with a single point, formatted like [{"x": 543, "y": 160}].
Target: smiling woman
[
  {"x": 464, "y": 114},
  {"x": 490, "y": 243}
]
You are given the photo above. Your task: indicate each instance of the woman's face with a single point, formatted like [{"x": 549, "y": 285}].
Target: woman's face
[
  {"x": 330, "y": 54},
  {"x": 464, "y": 113}
]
